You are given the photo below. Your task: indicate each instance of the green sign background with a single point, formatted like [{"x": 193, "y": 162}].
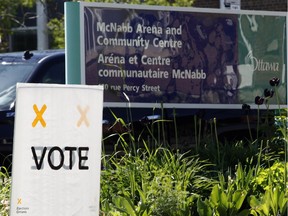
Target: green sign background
[{"x": 262, "y": 55}]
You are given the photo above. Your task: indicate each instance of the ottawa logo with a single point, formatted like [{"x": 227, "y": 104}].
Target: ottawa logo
[{"x": 261, "y": 65}]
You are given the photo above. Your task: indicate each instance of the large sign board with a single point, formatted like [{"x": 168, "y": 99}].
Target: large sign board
[
  {"x": 180, "y": 57},
  {"x": 57, "y": 150}
]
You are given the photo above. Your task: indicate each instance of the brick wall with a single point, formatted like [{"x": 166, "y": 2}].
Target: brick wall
[{"x": 265, "y": 5}]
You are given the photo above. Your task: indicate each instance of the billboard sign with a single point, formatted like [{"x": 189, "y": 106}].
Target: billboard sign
[{"x": 180, "y": 57}]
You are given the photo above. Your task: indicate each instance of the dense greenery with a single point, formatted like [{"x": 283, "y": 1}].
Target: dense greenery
[
  {"x": 148, "y": 177},
  {"x": 9, "y": 19},
  {"x": 243, "y": 177},
  {"x": 163, "y": 181},
  {"x": 166, "y": 182}
]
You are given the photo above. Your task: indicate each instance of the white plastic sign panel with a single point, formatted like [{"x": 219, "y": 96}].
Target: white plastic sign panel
[{"x": 57, "y": 150}]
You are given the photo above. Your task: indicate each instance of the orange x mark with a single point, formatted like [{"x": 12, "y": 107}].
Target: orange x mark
[
  {"x": 39, "y": 115},
  {"x": 83, "y": 117},
  {"x": 19, "y": 201}
]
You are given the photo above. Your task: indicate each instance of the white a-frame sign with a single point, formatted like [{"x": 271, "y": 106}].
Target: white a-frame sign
[{"x": 57, "y": 150}]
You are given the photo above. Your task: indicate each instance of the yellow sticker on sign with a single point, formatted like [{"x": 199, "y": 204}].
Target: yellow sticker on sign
[{"x": 39, "y": 115}]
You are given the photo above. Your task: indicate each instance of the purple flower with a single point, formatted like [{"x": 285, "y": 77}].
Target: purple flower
[
  {"x": 259, "y": 100},
  {"x": 274, "y": 81},
  {"x": 246, "y": 108},
  {"x": 268, "y": 93}
]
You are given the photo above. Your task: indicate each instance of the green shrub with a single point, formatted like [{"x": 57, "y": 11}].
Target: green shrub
[
  {"x": 5, "y": 184},
  {"x": 228, "y": 198},
  {"x": 153, "y": 182},
  {"x": 269, "y": 178},
  {"x": 272, "y": 202}
]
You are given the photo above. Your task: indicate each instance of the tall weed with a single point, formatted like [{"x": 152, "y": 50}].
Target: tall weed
[{"x": 5, "y": 184}]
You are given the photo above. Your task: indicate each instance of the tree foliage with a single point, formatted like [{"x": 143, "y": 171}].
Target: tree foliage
[
  {"x": 56, "y": 28},
  {"x": 7, "y": 13},
  {"x": 9, "y": 19}
]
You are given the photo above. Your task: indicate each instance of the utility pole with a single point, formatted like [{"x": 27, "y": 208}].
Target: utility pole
[{"x": 42, "y": 30}]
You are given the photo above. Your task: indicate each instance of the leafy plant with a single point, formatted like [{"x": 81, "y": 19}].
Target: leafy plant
[
  {"x": 152, "y": 181},
  {"x": 5, "y": 184},
  {"x": 228, "y": 197},
  {"x": 223, "y": 203},
  {"x": 270, "y": 177},
  {"x": 56, "y": 27},
  {"x": 273, "y": 202}
]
